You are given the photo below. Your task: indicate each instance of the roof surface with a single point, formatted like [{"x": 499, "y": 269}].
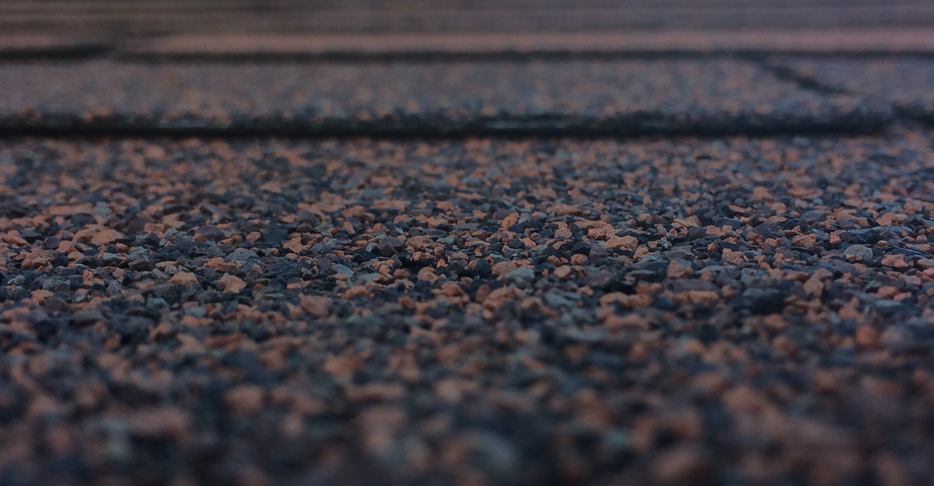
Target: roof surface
[{"x": 258, "y": 243}]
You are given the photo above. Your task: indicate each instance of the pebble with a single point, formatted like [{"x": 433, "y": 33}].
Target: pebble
[
  {"x": 859, "y": 252},
  {"x": 521, "y": 277}
]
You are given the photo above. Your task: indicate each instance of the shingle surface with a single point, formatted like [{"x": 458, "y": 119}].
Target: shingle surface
[
  {"x": 158, "y": 17},
  {"x": 612, "y": 96},
  {"x": 231, "y": 308},
  {"x": 559, "y": 311},
  {"x": 901, "y": 82}
]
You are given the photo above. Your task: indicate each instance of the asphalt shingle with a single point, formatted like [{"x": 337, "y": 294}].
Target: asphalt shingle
[
  {"x": 662, "y": 312},
  {"x": 600, "y": 96},
  {"x": 900, "y": 83}
]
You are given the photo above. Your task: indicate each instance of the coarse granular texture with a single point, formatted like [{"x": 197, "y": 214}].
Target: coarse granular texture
[
  {"x": 548, "y": 311},
  {"x": 628, "y": 43},
  {"x": 425, "y": 98},
  {"x": 116, "y": 18},
  {"x": 899, "y": 82}
]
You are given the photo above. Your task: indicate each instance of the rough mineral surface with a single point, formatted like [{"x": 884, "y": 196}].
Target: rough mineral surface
[
  {"x": 545, "y": 311},
  {"x": 616, "y": 96},
  {"x": 900, "y": 83}
]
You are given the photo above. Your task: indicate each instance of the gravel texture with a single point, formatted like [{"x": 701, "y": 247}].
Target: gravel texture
[
  {"x": 158, "y": 17},
  {"x": 751, "y": 44},
  {"x": 545, "y": 311},
  {"x": 427, "y": 98},
  {"x": 902, "y": 83}
]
